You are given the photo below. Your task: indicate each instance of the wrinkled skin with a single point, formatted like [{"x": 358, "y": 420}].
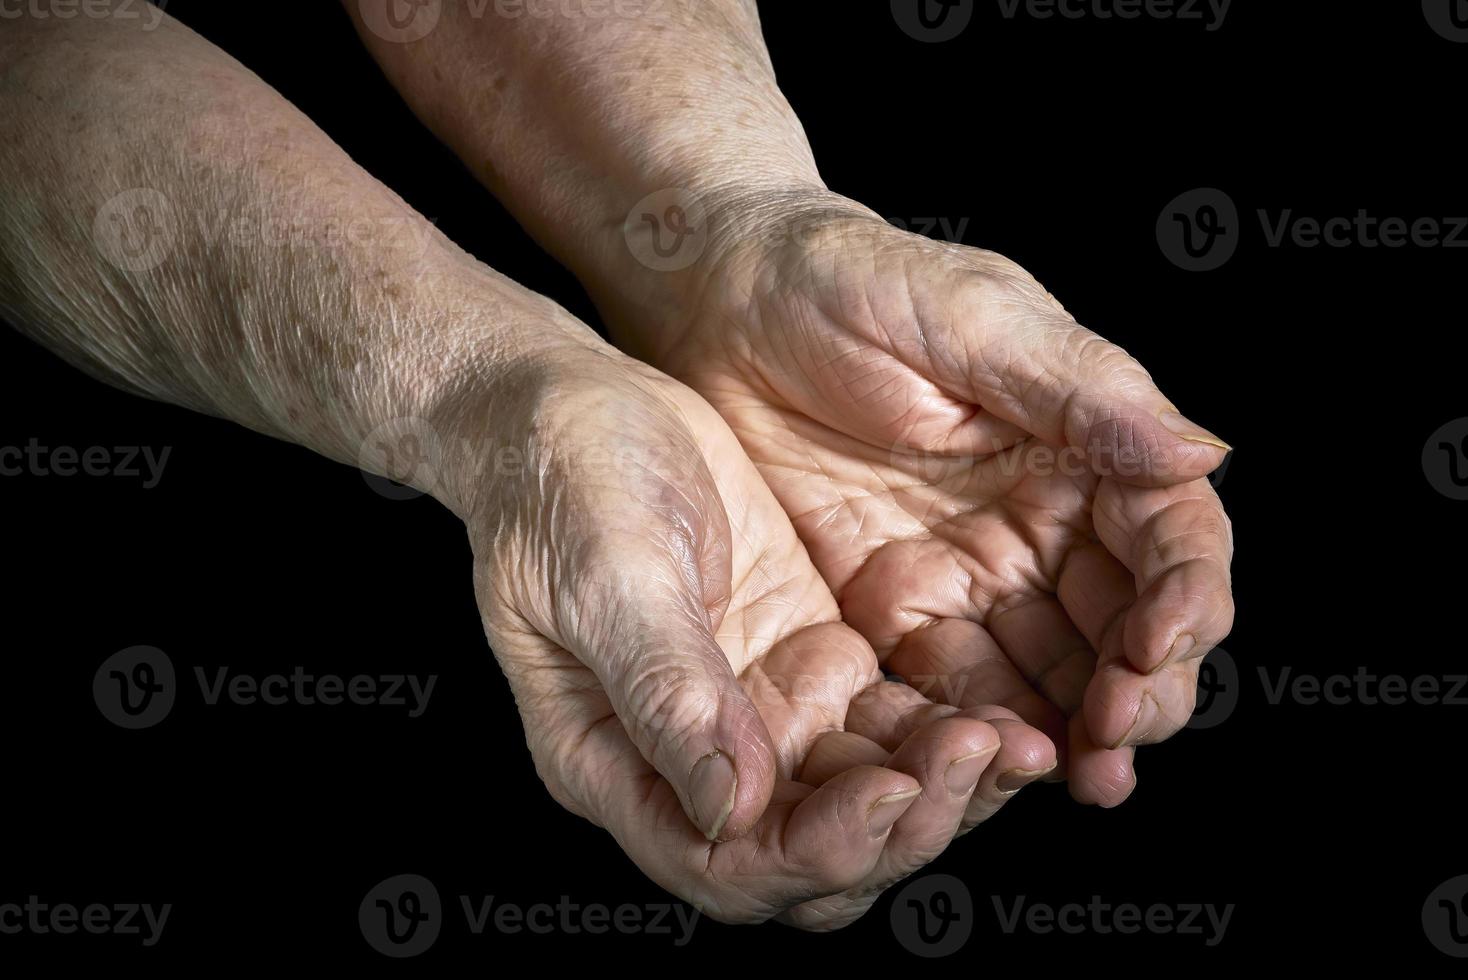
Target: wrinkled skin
[
  {"x": 627, "y": 574},
  {"x": 907, "y": 401}
]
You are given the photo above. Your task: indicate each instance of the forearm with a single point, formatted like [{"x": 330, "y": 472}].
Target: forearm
[
  {"x": 171, "y": 225},
  {"x": 573, "y": 118}
]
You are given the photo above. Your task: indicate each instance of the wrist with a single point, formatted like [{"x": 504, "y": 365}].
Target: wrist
[
  {"x": 475, "y": 354},
  {"x": 700, "y": 243}
]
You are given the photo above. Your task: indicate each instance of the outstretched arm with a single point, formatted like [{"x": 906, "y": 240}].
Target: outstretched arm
[
  {"x": 171, "y": 225},
  {"x": 997, "y": 496}
]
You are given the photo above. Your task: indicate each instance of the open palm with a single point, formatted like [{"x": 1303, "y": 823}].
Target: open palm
[
  {"x": 675, "y": 655},
  {"x": 1003, "y": 503}
]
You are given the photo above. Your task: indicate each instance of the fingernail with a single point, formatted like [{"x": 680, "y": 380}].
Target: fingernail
[
  {"x": 964, "y": 772},
  {"x": 1013, "y": 780},
  {"x": 711, "y": 785},
  {"x": 1180, "y": 649},
  {"x": 886, "y": 811},
  {"x": 1181, "y": 427}
]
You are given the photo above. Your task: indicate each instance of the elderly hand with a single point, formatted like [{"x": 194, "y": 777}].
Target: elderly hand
[
  {"x": 680, "y": 667},
  {"x": 1004, "y": 504}
]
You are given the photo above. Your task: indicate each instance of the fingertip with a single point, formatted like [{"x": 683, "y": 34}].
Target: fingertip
[
  {"x": 731, "y": 789},
  {"x": 1105, "y": 789},
  {"x": 1028, "y": 750},
  {"x": 1140, "y": 449},
  {"x": 968, "y": 748},
  {"x": 837, "y": 834},
  {"x": 1120, "y": 794},
  {"x": 976, "y": 736},
  {"x": 1098, "y": 776}
]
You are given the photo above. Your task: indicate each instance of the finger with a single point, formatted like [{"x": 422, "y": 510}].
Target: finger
[
  {"x": 809, "y": 843},
  {"x": 947, "y": 757},
  {"x": 1096, "y": 775},
  {"x": 956, "y": 661},
  {"x": 911, "y": 601},
  {"x": 1025, "y": 755},
  {"x": 804, "y": 686},
  {"x": 888, "y": 712},
  {"x": 835, "y": 752},
  {"x": 1056, "y": 657},
  {"x": 1123, "y": 706},
  {"x": 675, "y": 693},
  {"x": 1177, "y": 543},
  {"x": 1096, "y": 591},
  {"x": 885, "y": 716},
  {"x": 1073, "y": 388},
  {"x": 822, "y": 845},
  {"x": 1043, "y": 643}
]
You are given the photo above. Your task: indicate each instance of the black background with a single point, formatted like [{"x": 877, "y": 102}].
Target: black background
[{"x": 1060, "y": 142}]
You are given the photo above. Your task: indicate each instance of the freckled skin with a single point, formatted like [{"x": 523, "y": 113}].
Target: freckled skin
[
  {"x": 898, "y": 394},
  {"x": 678, "y": 662}
]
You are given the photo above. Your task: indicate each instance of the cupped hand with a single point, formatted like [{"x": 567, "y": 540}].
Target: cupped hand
[
  {"x": 680, "y": 667},
  {"x": 1004, "y": 504}
]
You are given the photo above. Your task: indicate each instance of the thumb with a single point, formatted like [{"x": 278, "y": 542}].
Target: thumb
[
  {"x": 677, "y": 697},
  {"x": 1073, "y": 388}
]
